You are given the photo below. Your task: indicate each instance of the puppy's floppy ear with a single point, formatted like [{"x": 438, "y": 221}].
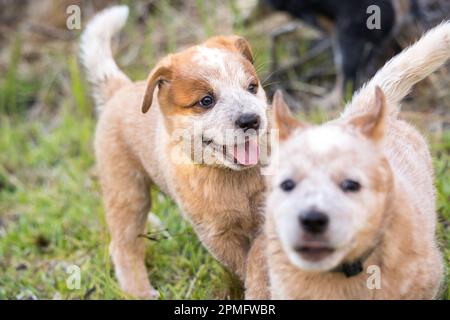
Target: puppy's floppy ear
[
  {"x": 161, "y": 74},
  {"x": 232, "y": 43},
  {"x": 372, "y": 124},
  {"x": 282, "y": 117},
  {"x": 244, "y": 48}
]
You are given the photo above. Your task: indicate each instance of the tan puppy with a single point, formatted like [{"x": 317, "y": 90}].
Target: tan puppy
[
  {"x": 198, "y": 96},
  {"x": 351, "y": 209}
]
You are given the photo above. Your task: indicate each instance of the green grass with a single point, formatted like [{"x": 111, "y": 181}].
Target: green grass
[
  {"x": 441, "y": 150},
  {"x": 51, "y": 215}
]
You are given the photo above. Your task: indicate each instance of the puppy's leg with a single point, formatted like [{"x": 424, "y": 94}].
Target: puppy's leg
[
  {"x": 127, "y": 202},
  {"x": 228, "y": 246},
  {"x": 257, "y": 284},
  {"x": 229, "y": 243}
]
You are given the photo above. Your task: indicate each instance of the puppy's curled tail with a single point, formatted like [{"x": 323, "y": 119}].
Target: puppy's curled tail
[
  {"x": 96, "y": 55},
  {"x": 398, "y": 76}
]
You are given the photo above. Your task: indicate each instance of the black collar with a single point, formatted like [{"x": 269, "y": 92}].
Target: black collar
[{"x": 351, "y": 269}]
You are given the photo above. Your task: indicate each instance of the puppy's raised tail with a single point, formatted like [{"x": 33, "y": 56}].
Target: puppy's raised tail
[
  {"x": 96, "y": 55},
  {"x": 402, "y": 72}
]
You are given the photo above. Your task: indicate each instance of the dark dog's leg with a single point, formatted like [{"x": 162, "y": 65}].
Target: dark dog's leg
[
  {"x": 275, "y": 37},
  {"x": 351, "y": 51}
]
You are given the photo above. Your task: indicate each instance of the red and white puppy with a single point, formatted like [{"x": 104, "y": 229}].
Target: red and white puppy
[
  {"x": 354, "y": 197},
  {"x": 209, "y": 95}
]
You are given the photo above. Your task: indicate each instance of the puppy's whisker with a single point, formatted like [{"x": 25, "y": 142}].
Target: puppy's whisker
[
  {"x": 262, "y": 65},
  {"x": 269, "y": 84},
  {"x": 268, "y": 77}
]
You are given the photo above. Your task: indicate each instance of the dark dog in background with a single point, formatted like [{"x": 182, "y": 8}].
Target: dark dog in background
[{"x": 354, "y": 45}]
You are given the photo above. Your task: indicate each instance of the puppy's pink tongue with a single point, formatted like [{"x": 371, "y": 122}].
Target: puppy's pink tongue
[{"x": 248, "y": 153}]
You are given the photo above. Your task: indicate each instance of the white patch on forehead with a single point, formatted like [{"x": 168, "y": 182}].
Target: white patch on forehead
[
  {"x": 324, "y": 138},
  {"x": 210, "y": 57},
  {"x": 227, "y": 64}
]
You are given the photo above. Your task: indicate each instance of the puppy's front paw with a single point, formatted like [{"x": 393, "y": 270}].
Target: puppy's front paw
[
  {"x": 151, "y": 294},
  {"x": 154, "y": 294}
]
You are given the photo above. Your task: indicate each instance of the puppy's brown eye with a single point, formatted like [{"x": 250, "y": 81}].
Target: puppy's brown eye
[
  {"x": 350, "y": 185},
  {"x": 253, "y": 88},
  {"x": 207, "y": 101},
  {"x": 287, "y": 185}
]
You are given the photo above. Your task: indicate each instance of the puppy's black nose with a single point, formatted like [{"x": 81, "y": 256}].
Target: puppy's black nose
[
  {"x": 248, "y": 121},
  {"x": 314, "y": 221}
]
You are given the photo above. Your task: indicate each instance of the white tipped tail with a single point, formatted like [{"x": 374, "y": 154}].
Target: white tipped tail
[
  {"x": 402, "y": 72},
  {"x": 96, "y": 55}
]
